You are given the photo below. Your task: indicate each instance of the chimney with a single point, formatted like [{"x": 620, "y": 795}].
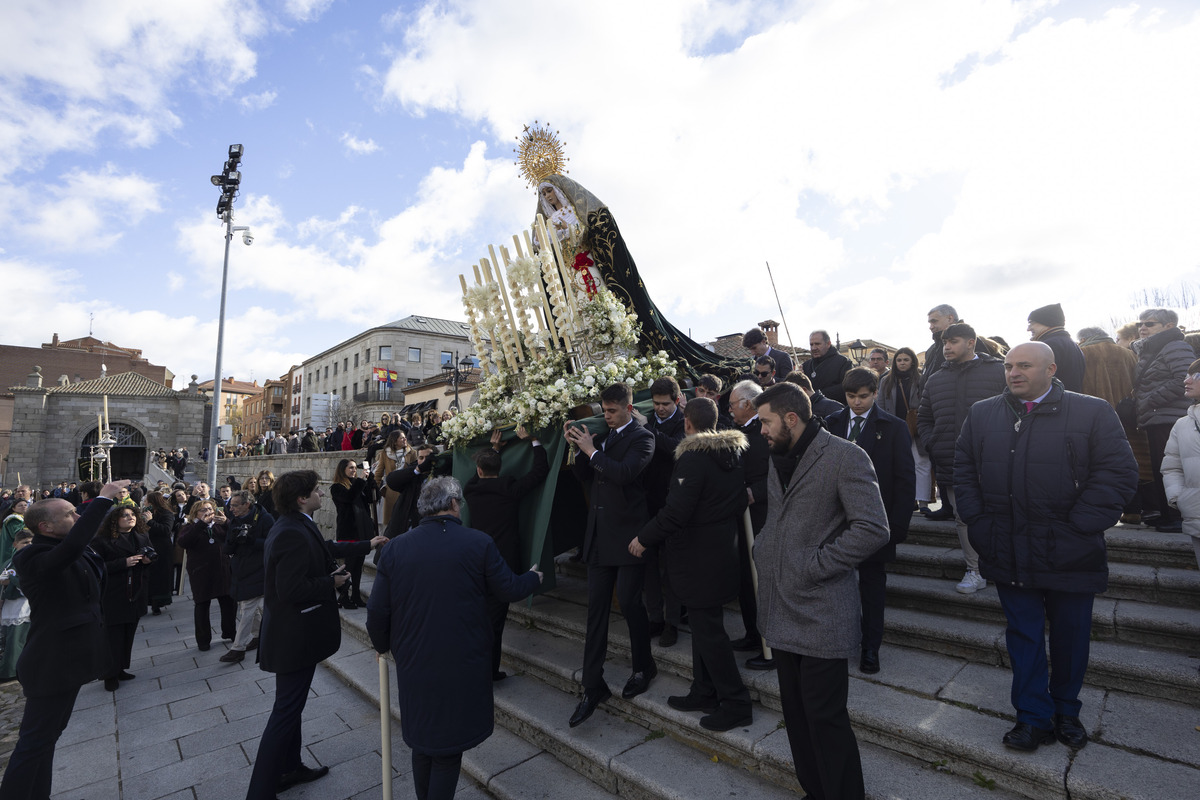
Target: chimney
[
  {"x": 54, "y": 341},
  {"x": 34, "y": 379},
  {"x": 771, "y": 328}
]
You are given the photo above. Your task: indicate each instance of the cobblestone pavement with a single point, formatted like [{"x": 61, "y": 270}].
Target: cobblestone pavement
[{"x": 187, "y": 727}]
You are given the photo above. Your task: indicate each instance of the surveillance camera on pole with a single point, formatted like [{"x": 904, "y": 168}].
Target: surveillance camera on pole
[{"x": 229, "y": 182}]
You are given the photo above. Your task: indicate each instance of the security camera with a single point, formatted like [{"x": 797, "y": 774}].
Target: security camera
[{"x": 247, "y": 238}]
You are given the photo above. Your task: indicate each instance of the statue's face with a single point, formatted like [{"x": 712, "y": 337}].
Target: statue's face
[{"x": 551, "y": 197}]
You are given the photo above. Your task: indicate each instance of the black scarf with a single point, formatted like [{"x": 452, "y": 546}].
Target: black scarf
[{"x": 785, "y": 465}]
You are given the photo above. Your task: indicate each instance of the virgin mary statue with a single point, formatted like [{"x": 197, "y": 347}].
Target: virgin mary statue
[{"x": 592, "y": 245}]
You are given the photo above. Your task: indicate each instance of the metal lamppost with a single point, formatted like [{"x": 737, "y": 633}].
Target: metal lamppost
[
  {"x": 858, "y": 351},
  {"x": 229, "y": 182},
  {"x": 454, "y": 374}
]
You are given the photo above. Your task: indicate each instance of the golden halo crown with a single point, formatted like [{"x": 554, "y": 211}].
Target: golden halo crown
[{"x": 540, "y": 153}]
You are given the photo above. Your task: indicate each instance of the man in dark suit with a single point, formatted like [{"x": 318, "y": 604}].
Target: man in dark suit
[
  {"x": 67, "y": 645},
  {"x": 666, "y": 423},
  {"x": 757, "y": 343},
  {"x": 755, "y": 463},
  {"x": 494, "y": 501},
  {"x": 617, "y": 511},
  {"x": 885, "y": 438},
  {"x": 300, "y": 625}
]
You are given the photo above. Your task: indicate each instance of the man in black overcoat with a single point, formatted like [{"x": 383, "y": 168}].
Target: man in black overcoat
[
  {"x": 666, "y": 423},
  {"x": 300, "y": 625},
  {"x": 698, "y": 529},
  {"x": 495, "y": 502},
  {"x": 249, "y": 527},
  {"x": 612, "y": 468},
  {"x": 886, "y": 439},
  {"x": 67, "y": 645}
]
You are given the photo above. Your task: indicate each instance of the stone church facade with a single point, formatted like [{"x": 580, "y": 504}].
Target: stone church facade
[{"x": 54, "y": 427}]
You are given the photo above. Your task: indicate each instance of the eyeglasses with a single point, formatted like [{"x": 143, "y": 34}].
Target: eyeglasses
[
  {"x": 762, "y": 374},
  {"x": 1149, "y": 323}
]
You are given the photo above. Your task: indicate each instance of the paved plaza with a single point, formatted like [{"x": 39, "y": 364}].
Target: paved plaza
[{"x": 187, "y": 727}]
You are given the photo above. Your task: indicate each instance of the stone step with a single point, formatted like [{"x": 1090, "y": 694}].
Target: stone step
[
  {"x": 1128, "y": 621},
  {"x": 1129, "y": 544},
  {"x": 641, "y": 748},
  {"x": 939, "y": 709},
  {"x": 1167, "y": 586}
]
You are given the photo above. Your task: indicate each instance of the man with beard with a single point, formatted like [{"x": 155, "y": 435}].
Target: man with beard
[{"x": 824, "y": 516}]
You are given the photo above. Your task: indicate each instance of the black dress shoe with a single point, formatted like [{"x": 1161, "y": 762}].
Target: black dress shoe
[
  {"x": 639, "y": 682},
  {"x": 125, "y": 676},
  {"x": 253, "y": 644},
  {"x": 869, "y": 663},
  {"x": 943, "y": 513},
  {"x": 760, "y": 663},
  {"x": 746, "y": 644},
  {"x": 670, "y": 636},
  {"x": 499, "y": 675},
  {"x": 302, "y": 775},
  {"x": 693, "y": 702},
  {"x": 111, "y": 684},
  {"x": 202, "y": 647},
  {"x": 726, "y": 719},
  {"x": 1026, "y": 737},
  {"x": 1174, "y": 526},
  {"x": 588, "y": 704},
  {"x": 1070, "y": 732}
]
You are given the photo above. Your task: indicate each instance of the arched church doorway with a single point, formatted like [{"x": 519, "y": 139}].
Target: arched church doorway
[{"x": 128, "y": 454}]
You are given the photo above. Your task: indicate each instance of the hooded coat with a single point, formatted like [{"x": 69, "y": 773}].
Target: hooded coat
[
  {"x": 1158, "y": 382},
  {"x": 948, "y": 395},
  {"x": 1181, "y": 470},
  {"x": 699, "y": 522},
  {"x": 1038, "y": 489}
]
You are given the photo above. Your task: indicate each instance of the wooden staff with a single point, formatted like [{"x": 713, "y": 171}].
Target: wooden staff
[
  {"x": 551, "y": 325},
  {"x": 507, "y": 306},
  {"x": 565, "y": 313},
  {"x": 564, "y": 271},
  {"x": 508, "y": 356},
  {"x": 385, "y": 724},
  {"x": 754, "y": 571},
  {"x": 507, "y": 265}
]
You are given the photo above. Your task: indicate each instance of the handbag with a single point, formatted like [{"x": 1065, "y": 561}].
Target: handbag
[{"x": 1127, "y": 412}]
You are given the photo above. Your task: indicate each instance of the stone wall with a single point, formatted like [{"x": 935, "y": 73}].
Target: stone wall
[{"x": 323, "y": 464}]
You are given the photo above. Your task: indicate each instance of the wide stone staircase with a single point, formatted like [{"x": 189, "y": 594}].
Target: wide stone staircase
[{"x": 929, "y": 724}]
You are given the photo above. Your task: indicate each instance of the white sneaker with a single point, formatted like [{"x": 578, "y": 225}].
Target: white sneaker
[{"x": 972, "y": 582}]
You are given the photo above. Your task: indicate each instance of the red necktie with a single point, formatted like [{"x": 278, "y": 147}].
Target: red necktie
[{"x": 1029, "y": 404}]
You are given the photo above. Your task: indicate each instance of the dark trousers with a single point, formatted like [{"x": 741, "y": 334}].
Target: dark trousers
[
  {"x": 1158, "y": 435},
  {"x": 279, "y": 748},
  {"x": 872, "y": 592},
  {"x": 1041, "y": 690},
  {"x": 628, "y": 582},
  {"x": 714, "y": 667},
  {"x": 354, "y": 564},
  {"x": 228, "y": 619},
  {"x": 30, "y": 768},
  {"x": 497, "y": 614},
  {"x": 662, "y": 604},
  {"x": 813, "y": 694},
  {"x": 120, "y": 645},
  {"x": 435, "y": 777},
  {"x": 747, "y": 599}
]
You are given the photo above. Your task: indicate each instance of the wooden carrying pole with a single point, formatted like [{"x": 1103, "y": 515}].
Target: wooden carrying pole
[
  {"x": 385, "y": 724},
  {"x": 753, "y": 570},
  {"x": 512, "y": 321}
]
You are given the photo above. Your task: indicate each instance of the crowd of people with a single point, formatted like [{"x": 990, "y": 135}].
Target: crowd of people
[{"x": 788, "y": 490}]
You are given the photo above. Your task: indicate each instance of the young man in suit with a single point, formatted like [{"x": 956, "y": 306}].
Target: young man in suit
[
  {"x": 666, "y": 423},
  {"x": 824, "y": 516},
  {"x": 67, "y": 645},
  {"x": 300, "y": 625},
  {"x": 885, "y": 439},
  {"x": 613, "y": 467}
]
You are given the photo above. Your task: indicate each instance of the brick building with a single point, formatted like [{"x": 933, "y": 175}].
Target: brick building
[{"x": 265, "y": 411}]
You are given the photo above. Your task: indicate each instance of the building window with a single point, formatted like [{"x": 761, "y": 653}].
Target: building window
[
  {"x": 385, "y": 352},
  {"x": 447, "y": 359},
  {"x": 327, "y": 372},
  {"x": 367, "y": 356},
  {"x": 343, "y": 392},
  {"x": 308, "y": 404},
  {"x": 356, "y": 359},
  {"x": 345, "y": 364},
  {"x": 335, "y": 366},
  {"x": 414, "y": 354},
  {"x": 412, "y": 382},
  {"x": 356, "y": 385}
]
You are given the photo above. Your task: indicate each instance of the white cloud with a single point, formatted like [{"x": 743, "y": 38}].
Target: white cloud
[
  {"x": 357, "y": 146},
  {"x": 112, "y": 69},
  {"x": 257, "y": 102},
  {"x": 802, "y": 144},
  {"x": 307, "y": 10}
]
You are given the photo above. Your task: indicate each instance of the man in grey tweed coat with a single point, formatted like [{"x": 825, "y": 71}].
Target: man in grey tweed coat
[{"x": 824, "y": 516}]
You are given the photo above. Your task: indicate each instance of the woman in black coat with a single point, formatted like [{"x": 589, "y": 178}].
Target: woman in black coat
[
  {"x": 162, "y": 539},
  {"x": 203, "y": 539},
  {"x": 119, "y": 541},
  {"x": 354, "y": 524},
  {"x": 434, "y": 579}
]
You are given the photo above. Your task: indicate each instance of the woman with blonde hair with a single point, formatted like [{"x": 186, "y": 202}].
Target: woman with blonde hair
[{"x": 391, "y": 457}]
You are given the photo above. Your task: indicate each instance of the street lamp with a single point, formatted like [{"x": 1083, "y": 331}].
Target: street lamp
[
  {"x": 454, "y": 374},
  {"x": 858, "y": 351},
  {"x": 229, "y": 182}
]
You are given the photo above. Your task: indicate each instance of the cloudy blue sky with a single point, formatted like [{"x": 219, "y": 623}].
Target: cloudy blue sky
[{"x": 883, "y": 156}]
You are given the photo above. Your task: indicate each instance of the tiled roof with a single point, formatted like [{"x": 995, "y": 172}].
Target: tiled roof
[
  {"x": 445, "y": 327},
  {"x": 127, "y": 384},
  {"x": 233, "y": 387}
]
